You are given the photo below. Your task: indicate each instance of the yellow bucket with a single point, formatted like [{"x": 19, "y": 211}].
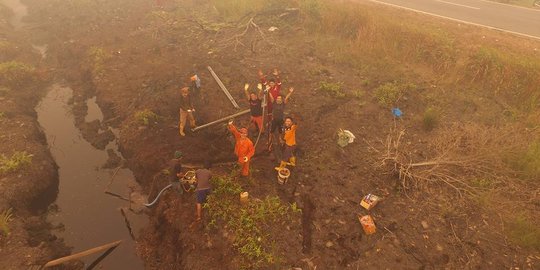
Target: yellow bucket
[
  {"x": 283, "y": 175},
  {"x": 244, "y": 197}
]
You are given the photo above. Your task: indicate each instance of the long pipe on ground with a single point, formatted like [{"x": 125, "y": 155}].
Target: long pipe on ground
[
  {"x": 82, "y": 254},
  {"x": 223, "y": 88},
  {"x": 220, "y": 120},
  {"x": 157, "y": 197}
]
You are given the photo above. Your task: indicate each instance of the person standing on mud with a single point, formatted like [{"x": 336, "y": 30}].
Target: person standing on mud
[
  {"x": 289, "y": 144},
  {"x": 255, "y": 107},
  {"x": 186, "y": 110},
  {"x": 274, "y": 88},
  {"x": 243, "y": 148},
  {"x": 203, "y": 186},
  {"x": 278, "y": 108},
  {"x": 175, "y": 169}
]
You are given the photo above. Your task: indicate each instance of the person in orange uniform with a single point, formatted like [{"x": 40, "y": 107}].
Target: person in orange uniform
[
  {"x": 289, "y": 144},
  {"x": 243, "y": 149}
]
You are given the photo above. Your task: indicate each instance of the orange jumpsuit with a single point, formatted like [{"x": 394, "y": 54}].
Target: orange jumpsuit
[{"x": 243, "y": 148}]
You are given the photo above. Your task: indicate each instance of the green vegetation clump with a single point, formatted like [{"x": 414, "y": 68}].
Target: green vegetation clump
[
  {"x": 249, "y": 223},
  {"x": 2, "y": 116},
  {"x": 5, "y": 218},
  {"x": 388, "y": 94},
  {"x": 236, "y": 9},
  {"x": 17, "y": 161},
  {"x": 430, "y": 119},
  {"x": 331, "y": 89},
  {"x": 97, "y": 58},
  {"x": 525, "y": 232},
  {"x": 529, "y": 161},
  {"x": 146, "y": 117},
  {"x": 15, "y": 73}
]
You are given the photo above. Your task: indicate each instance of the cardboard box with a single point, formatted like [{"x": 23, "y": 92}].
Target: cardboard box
[
  {"x": 369, "y": 201},
  {"x": 367, "y": 224}
]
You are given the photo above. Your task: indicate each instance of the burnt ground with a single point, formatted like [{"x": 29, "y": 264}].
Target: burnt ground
[{"x": 148, "y": 53}]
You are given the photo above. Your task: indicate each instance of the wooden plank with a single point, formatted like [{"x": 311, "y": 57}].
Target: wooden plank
[{"x": 82, "y": 254}]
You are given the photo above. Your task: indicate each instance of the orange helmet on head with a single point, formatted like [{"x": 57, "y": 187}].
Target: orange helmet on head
[{"x": 184, "y": 90}]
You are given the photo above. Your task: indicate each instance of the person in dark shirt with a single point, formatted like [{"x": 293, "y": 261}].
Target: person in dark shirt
[
  {"x": 186, "y": 110},
  {"x": 175, "y": 170},
  {"x": 203, "y": 186},
  {"x": 255, "y": 106},
  {"x": 278, "y": 114}
]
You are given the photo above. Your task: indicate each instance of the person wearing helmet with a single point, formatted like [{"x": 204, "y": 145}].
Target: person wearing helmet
[
  {"x": 243, "y": 148},
  {"x": 186, "y": 110}
]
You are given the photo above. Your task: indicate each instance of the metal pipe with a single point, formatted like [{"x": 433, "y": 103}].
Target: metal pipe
[
  {"x": 222, "y": 86},
  {"x": 220, "y": 120}
]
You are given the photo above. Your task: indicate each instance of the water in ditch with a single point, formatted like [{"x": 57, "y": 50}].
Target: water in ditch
[{"x": 89, "y": 216}]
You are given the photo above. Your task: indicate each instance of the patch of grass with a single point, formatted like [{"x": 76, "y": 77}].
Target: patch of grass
[
  {"x": 430, "y": 119},
  {"x": 524, "y": 232},
  {"x": 482, "y": 183},
  {"x": 15, "y": 73},
  {"x": 2, "y": 116},
  {"x": 16, "y": 162},
  {"x": 97, "y": 58},
  {"x": 146, "y": 117},
  {"x": 4, "y": 90},
  {"x": 529, "y": 161},
  {"x": 331, "y": 89},
  {"x": 237, "y": 9},
  {"x": 388, "y": 94},
  {"x": 511, "y": 76},
  {"x": 248, "y": 223},
  {"x": 5, "y": 218}
]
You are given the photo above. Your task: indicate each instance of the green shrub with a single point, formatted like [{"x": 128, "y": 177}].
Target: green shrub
[
  {"x": 430, "y": 119},
  {"x": 97, "y": 58},
  {"x": 17, "y": 161},
  {"x": 525, "y": 232},
  {"x": 5, "y": 219},
  {"x": 146, "y": 117},
  {"x": 2, "y": 116},
  {"x": 388, "y": 94},
  {"x": 248, "y": 223},
  {"x": 331, "y": 89},
  {"x": 15, "y": 73}
]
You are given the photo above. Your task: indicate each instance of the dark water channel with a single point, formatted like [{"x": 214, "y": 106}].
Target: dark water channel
[{"x": 89, "y": 216}]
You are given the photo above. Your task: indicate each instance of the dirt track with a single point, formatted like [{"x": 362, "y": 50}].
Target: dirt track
[{"x": 151, "y": 52}]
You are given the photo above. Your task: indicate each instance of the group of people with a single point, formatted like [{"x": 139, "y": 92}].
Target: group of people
[
  {"x": 267, "y": 106},
  {"x": 267, "y": 110}
]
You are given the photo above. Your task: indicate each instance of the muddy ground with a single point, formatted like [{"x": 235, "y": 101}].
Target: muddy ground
[
  {"x": 30, "y": 190},
  {"x": 149, "y": 52}
]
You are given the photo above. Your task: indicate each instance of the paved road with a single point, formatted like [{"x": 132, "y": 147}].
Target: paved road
[{"x": 514, "y": 19}]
